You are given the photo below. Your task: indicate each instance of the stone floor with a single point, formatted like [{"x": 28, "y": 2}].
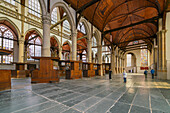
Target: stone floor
[{"x": 89, "y": 95}]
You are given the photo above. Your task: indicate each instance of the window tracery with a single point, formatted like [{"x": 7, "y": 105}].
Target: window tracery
[
  {"x": 34, "y": 47},
  {"x": 6, "y": 42},
  {"x": 34, "y": 7}
]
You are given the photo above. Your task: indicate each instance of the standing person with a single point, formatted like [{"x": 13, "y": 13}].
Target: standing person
[
  {"x": 124, "y": 76},
  {"x": 110, "y": 74},
  {"x": 152, "y": 72},
  {"x": 145, "y": 72}
]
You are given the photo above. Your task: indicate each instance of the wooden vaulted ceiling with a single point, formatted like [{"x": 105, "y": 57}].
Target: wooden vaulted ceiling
[{"x": 122, "y": 21}]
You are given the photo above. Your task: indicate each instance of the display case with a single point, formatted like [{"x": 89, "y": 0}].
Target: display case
[{"x": 45, "y": 73}]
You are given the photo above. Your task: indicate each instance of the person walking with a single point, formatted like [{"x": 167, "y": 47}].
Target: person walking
[
  {"x": 152, "y": 72},
  {"x": 145, "y": 72},
  {"x": 124, "y": 76},
  {"x": 110, "y": 74}
]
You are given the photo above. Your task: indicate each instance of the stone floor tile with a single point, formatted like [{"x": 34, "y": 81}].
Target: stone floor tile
[{"x": 101, "y": 107}]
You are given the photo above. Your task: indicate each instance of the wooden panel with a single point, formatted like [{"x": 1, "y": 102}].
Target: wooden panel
[
  {"x": 5, "y": 79},
  {"x": 46, "y": 73},
  {"x": 76, "y": 72}
]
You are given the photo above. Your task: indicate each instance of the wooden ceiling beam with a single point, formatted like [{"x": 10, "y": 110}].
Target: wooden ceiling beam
[
  {"x": 141, "y": 22},
  {"x": 60, "y": 21},
  {"x": 143, "y": 38},
  {"x": 82, "y": 37},
  {"x": 86, "y": 6}
]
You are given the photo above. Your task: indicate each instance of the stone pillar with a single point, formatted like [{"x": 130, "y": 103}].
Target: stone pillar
[
  {"x": 162, "y": 70},
  {"x": 113, "y": 62},
  {"x": 60, "y": 52},
  {"x": 89, "y": 50},
  {"x": 46, "y": 35},
  {"x": 71, "y": 56},
  {"x": 74, "y": 45},
  {"x": 167, "y": 44},
  {"x": 21, "y": 50},
  {"x": 99, "y": 55}
]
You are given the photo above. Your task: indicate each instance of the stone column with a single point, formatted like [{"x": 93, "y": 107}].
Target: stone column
[
  {"x": 71, "y": 56},
  {"x": 46, "y": 35},
  {"x": 89, "y": 50},
  {"x": 99, "y": 55},
  {"x": 113, "y": 62},
  {"x": 74, "y": 45},
  {"x": 21, "y": 50},
  {"x": 167, "y": 44},
  {"x": 162, "y": 70},
  {"x": 60, "y": 52}
]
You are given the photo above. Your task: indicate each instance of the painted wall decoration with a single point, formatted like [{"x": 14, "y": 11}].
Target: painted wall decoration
[{"x": 144, "y": 57}]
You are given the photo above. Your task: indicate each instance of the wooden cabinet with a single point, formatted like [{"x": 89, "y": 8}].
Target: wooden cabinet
[
  {"x": 88, "y": 70},
  {"x": 73, "y": 70},
  {"x": 46, "y": 73},
  {"x": 106, "y": 67},
  {"x": 5, "y": 79},
  {"x": 20, "y": 71}
]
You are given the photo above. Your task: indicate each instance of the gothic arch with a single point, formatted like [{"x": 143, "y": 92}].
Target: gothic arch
[
  {"x": 67, "y": 10},
  {"x": 58, "y": 42},
  {"x": 68, "y": 44},
  {"x": 97, "y": 36},
  {"x": 18, "y": 33},
  {"x": 87, "y": 28},
  {"x": 43, "y": 7},
  {"x": 34, "y": 29}
]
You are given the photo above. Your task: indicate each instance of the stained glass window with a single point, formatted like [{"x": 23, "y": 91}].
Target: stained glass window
[
  {"x": 144, "y": 57},
  {"x": 11, "y": 1},
  {"x": 135, "y": 42},
  {"x": 34, "y": 7},
  {"x": 34, "y": 47},
  {"x": 6, "y": 42}
]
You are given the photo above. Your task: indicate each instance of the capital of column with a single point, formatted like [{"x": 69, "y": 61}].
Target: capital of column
[
  {"x": 46, "y": 18},
  {"x": 21, "y": 41},
  {"x": 74, "y": 33}
]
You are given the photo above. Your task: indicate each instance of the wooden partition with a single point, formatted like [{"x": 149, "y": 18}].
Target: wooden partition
[
  {"x": 107, "y": 67},
  {"x": 88, "y": 70},
  {"x": 20, "y": 71},
  {"x": 62, "y": 67},
  {"x": 74, "y": 69},
  {"x": 99, "y": 68},
  {"x": 46, "y": 73},
  {"x": 5, "y": 79}
]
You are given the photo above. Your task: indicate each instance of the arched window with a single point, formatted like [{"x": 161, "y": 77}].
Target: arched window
[
  {"x": 129, "y": 60},
  {"x": 54, "y": 16},
  {"x": 34, "y": 47},
  {"x": 94, "y": 44},
  {"x": 66, "y": 26},
  {"x": 6, "y": 42},
  {"x": 84, "y": 56},
  {"x": 34, "y": 7},
  {"x": 11, "y": 2},
  {"x": 81, "y": 28}
]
